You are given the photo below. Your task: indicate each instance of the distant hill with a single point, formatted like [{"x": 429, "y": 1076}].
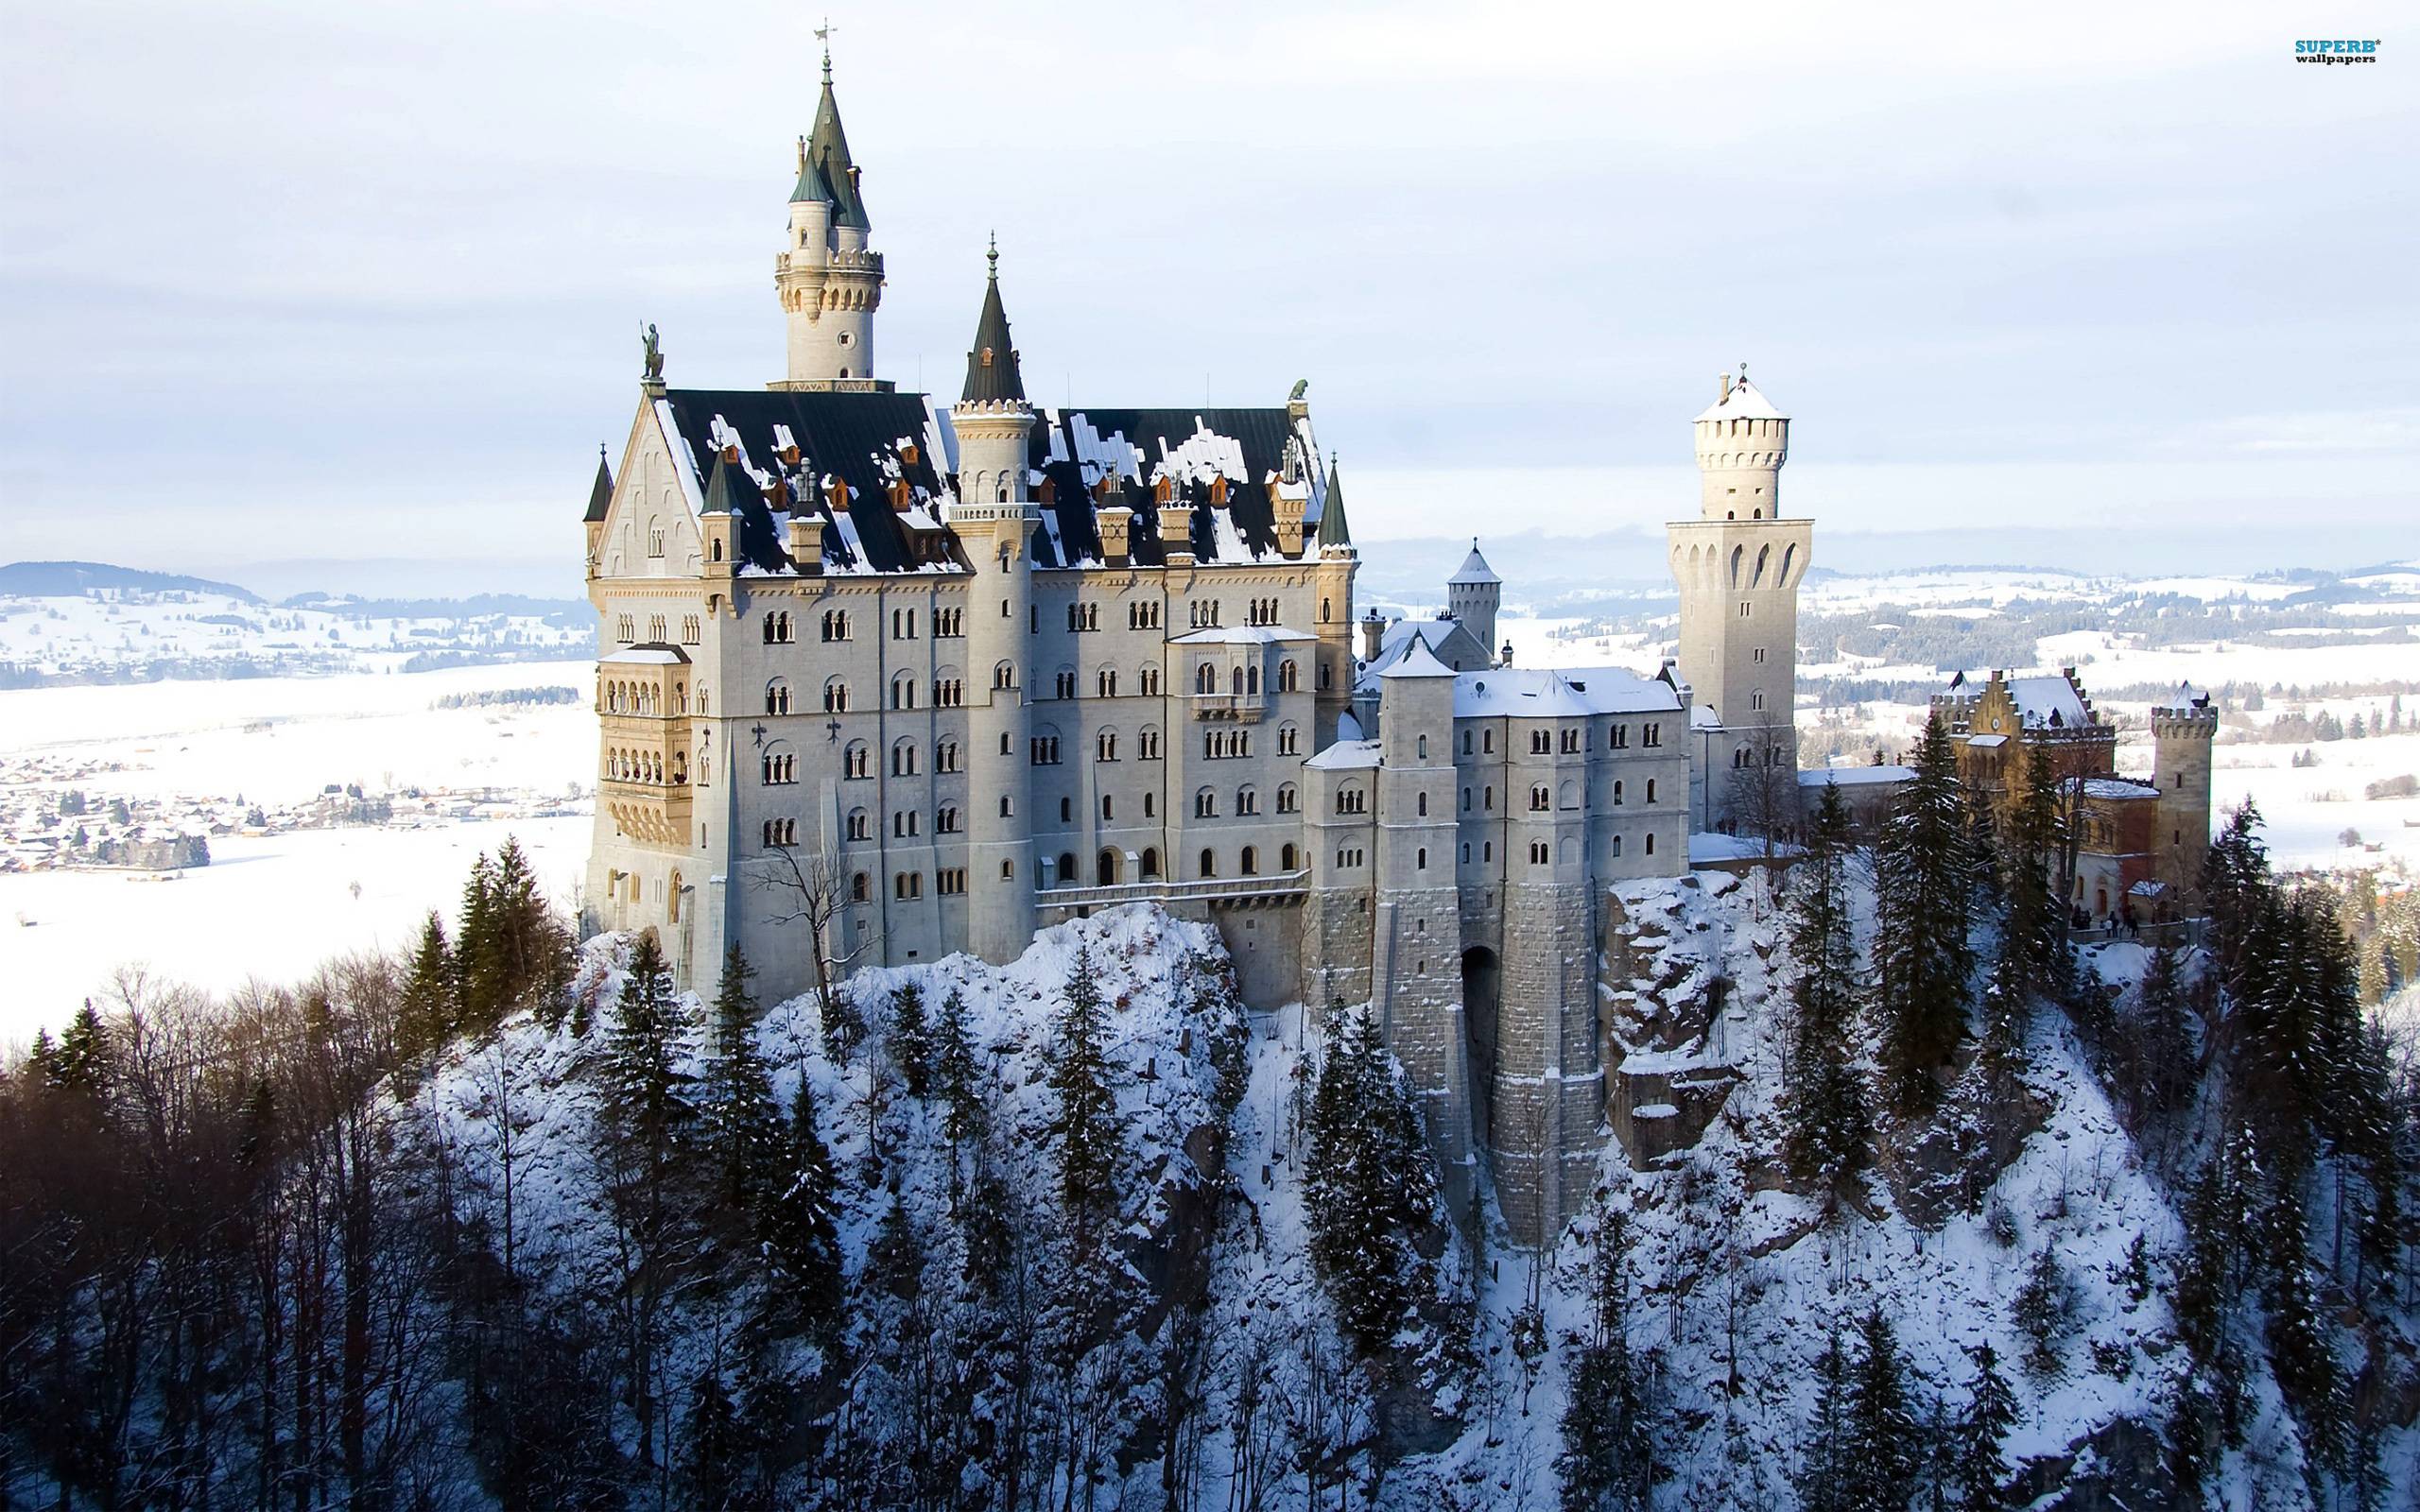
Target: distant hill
[
  {"x": 73, "y": 579},
  {"x": 441, "y": 609}
]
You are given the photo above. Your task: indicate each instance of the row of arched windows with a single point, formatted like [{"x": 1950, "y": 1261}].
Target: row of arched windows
[
  {"x": 621, "y": 697},
  {"x": 627, "y": 765}
]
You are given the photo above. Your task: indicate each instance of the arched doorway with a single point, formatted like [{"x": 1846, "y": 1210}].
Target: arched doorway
[
  {"x": 1107, "y": 869},
  {"x": 1483, "y": 986}
]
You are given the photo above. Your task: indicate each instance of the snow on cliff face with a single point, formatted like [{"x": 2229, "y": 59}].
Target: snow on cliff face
[{"x": 1738, "y": 1280}]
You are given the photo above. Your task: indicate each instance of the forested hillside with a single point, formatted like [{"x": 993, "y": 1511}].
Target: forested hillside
[{"x": 1912, "y": 1206}]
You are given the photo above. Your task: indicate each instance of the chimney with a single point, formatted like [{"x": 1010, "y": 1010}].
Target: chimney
[
  {"x": 1373, "y": 632},
  {"x": 1725, "y": 396},
  {"x": 1117, "y": 526}
]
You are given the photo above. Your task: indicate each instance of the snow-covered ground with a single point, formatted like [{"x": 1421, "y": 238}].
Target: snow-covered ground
[
  {"x": 271, "y": 908},
  {"x": 274, "y": 905}
]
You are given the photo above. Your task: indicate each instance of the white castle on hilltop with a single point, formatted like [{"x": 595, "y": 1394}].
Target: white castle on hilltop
[{"x": 885, "y": 679}]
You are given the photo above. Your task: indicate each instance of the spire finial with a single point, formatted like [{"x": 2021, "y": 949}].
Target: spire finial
[
  {"x": 992, "y": 255},
  {"x": 1743, "y": 371},
  {"x": 824, "y": 34}
]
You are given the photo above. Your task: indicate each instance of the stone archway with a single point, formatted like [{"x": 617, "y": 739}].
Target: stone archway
[
  {"x": 1106, "y": 869},
  {"x": 1482, "y": 996}
]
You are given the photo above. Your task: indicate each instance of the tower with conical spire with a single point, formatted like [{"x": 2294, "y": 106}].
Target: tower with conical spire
[
  {"x": 1332, "y": 576},
  {"x": 828, "y": 278},
  {"x": 1739, "y": 565},
  {"x": 994, "y": 520},
  {"x": 1472, "y": 594}
]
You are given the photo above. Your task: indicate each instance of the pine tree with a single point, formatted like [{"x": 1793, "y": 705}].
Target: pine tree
[
  {"x": 2033, "y": 958},
  {"x": 2235, "y": 882},
  {"x": 1368, "y": 1189},
  {"x": 431, "y": 1010},
  {"x": 1087, "y": 1128},
  {"x": 1884, "y": 1442},
  {"x": 713, "y": 1459},
  {"x": 646, "y": 1089},
  {"x": 1923, "y": 875},
  {"x": 1825, "y": 1467},
  {"x": 1607, "y": 1460},
  {"x": 911, "y": 1044},
  {"x": 743, "y": 1121},
  {"x": 2300, "y": 1349},
  {"x": 2162, "y": 1037},
  {"x": 1978, "y": 1469},
  {"x": 479, "y": 952},
  {"x": 1829, "y": 1123},
  {"x": 795, "y": 1227},
  {"x": 85, "y": 1060},
  {"x": 955, "y": 1075},
  {"x": 2041, "y": 1308}
]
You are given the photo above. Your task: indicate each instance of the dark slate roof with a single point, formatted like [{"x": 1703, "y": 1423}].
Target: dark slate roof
[
  {"x": 853, "y": 437},
  {"x": 1070, "y": 447},
  {"x": 600, "y": 493},
  {"x": 812, "y": 186},
  {"x": 992, "y": 375},
  {"x": 827, "y": 152}
]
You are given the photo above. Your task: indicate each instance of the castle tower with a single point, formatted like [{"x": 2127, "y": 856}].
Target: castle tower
[
  {"x": 1739, "y": 566},
  {"x": 1472, "y": 595},
  {"x": 828, "y": 279},
  {"x": 1416, "y": 954},
  {"x": 1332, "y": 578},
  {"x": 2181, "y": 738},
  {"x": 994, "y": 520}
]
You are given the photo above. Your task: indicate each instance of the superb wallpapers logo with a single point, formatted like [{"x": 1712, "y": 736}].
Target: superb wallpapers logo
[{"x": 2338, "y": 50}]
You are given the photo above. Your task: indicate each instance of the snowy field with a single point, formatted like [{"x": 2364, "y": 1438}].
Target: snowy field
[{"x": 273, "y": 906}]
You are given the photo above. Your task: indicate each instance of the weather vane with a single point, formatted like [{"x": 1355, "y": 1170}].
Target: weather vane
[{"x": 824, "y": 34}]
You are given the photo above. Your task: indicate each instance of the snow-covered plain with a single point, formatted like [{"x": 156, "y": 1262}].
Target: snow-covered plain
[{"x": 273, "y": 906}]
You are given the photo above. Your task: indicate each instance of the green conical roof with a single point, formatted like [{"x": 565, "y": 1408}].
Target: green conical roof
[
  {"x": 827, "y": 155},
  {"x": 600, "y": 493},
  {"x": 992, "y": 374},
  {"x": 723, "y": 486},
  {"x": 1333, "y": 530}
]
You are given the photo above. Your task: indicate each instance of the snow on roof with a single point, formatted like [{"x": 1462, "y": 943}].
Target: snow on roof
[
  {"x": 1743, "y": 401},
  {"x": 2116, "y": 788},
  {"x": 1419, "y": 661},
  {"x": 1475, "y": 569},
  {"x": 1855, "y": 776},
  {"x": 1539, "y": 693},
  {"x": 1346, "y": 754},
  {"x": 1987, "y": 740},
  {"x": 2148, "y": 888},
  {"x": 1243, "y": 635},
  {"x": 2038, "y": 700}
]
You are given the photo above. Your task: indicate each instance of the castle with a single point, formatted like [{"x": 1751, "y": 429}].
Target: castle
[{"x": 887, "y": 678}]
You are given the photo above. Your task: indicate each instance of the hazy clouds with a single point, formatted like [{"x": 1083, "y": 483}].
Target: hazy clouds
[{"x": 306, "y": 281}]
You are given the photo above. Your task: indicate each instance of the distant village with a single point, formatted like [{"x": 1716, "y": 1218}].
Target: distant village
[{"x": 44, "y": 826}]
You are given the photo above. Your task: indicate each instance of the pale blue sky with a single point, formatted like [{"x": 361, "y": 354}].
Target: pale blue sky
[{"x": 360, "y": 284}]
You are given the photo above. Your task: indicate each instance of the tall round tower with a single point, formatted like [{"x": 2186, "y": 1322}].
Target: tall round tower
[
  {"x": 828, "y": 279},
  {"x": 1472, "y": 596},
  {"x": 994, "y": 520},
  {"x": 1739, "y": 566}
]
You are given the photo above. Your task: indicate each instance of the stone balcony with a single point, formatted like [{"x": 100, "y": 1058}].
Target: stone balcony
[{"x": 655, "y": 814}]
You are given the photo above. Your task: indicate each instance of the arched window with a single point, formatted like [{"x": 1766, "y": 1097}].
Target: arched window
[
  {"x": 1650, "y": 790},
  {"x": 1422, "y": 802},
  {"x": 1247, "y": 800},
  {"x": 1151, "y": 863},
  {"x": 1205, "y": 678},
  {"x": 1249, "y": 866},
  {"x": 1421, "y": 859},
  {"x": 857, "y": 760},
  {"x": 860, "y": 888},
  {"x": 1288, "y": 799},
  {"x": 1209, "y": 862},
  {"x": 1617, "y": 793},
  {"x": 836, "y": 695},
  {"x": 1205, "y": 803},
  {"x": 902, "y": 691},
  {"x": 860, "y": 825},
  {"x": 904, "y": 760},
  {"x": 1067, "y": 877},
  {"x": 777, "y": 697},
  {"x": 1289, "y": 858},
  {"x": 1423, "y": 755},
  {"x": 1004, "y": 675}
]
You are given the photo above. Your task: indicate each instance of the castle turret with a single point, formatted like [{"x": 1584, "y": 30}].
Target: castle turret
[
  {"x": 1739, "y": 566},
  {"x": 1472, "y": 595},
  {"x": 600, "y": 501},
  {"x": 2182, "y": 733},
  {"x": 1332, "y": 575},
  {"x": 830, "y": 281},
  {"x": 995, "y": 522}
]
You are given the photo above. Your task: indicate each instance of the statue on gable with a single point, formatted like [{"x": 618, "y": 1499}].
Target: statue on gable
[{"x": 654, "y": 355}]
